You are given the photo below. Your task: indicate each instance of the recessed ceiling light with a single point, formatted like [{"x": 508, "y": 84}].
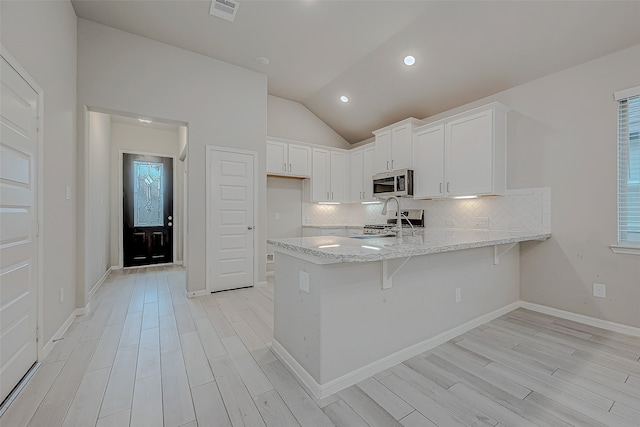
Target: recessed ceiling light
[
  {"x": 344, "y": 99},
  {"x": 262, "y": 60},
  {"x": 409, "y": 60},
  {"x": 145, "y": 121}
]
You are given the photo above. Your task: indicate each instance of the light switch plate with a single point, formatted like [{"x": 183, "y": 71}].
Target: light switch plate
[
  {"x": 599, "y": 290},
  {"x": 304, "y": 281}
]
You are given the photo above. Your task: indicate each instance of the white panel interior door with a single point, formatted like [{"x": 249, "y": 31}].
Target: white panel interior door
[
  {"x": 18, "y": 222},
  {"x": 231, "y": 243}
]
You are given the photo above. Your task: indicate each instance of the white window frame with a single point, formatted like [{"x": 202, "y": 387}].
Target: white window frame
[{"x": 625, "y": 244}]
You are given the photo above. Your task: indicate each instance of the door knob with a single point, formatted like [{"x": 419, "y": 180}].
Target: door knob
[
  {"x": 170, "y": 224},
  {"x": 250, "y": 227},
  {"x": 170, "y": 218}
]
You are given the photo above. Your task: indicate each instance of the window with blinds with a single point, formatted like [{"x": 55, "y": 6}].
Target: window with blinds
[{"x": 629, "y": 167}]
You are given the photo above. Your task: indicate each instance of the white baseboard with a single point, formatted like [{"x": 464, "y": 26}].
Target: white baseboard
[
  {"x": 61, "y": 330},
  {"x": 321, "y": 391},
  {"x": 587, "y": 320},
  {"x": 261, "y": 284},
  {"x": 115, "y": 267},
  {"x": 98, "y": 284},
  {"x": 271, "y": 273},
  {"x": 196, "y": 294}
]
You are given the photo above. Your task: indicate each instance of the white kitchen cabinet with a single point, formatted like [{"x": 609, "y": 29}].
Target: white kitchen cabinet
[
  {"x": 329, "y": 176},
  {"x": 393, "y": 146},
  {"x": 464, "y": 155},
  {"x": 428, "y": 154},
  {"x": 361, "y": 161},
  {"x": 288, "y": 159}
]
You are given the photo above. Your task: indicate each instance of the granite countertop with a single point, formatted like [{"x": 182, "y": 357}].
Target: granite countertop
[{"x": 334, "y": 249}]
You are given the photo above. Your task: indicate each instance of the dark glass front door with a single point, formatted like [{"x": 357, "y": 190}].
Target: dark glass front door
[{"x": 148, "y": 209}]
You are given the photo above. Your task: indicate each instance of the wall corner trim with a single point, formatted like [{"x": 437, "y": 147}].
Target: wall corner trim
[
  {"x": 195, "y": 294},
  {"x": 98, "y": 284},
  {"x": 61, "y": 331}
]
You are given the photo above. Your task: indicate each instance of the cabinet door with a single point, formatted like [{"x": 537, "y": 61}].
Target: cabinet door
[
  {"x": 320, "y": 175},
  {"x": 383, "y": 152},
  {"x": 469, "y": 154},
  {"x": 357, "y": 176},
  {"x": 367, "y": 172},
  {"x": 276, "y": 158},
  {"x": 299, "y": 160},
  {"x": 428, "y": 162},
  {"x": 339, "y": 177},
  {"x": 401, "y": 147}
]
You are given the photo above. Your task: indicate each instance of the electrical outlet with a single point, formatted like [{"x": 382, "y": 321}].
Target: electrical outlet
[
  {"x": 450, "y": 222},
  {"x": 304, "y": 281},
  {"x": 599, "y": 290},
  {"x": 482, "y": 222},
  {"x": 276, "y": 216},
  {"x": 458, "y": 294},
  {"x": 61, "y": 294}
]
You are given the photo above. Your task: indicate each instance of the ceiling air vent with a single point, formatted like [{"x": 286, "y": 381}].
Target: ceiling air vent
[{"x": 225, "y": 9}]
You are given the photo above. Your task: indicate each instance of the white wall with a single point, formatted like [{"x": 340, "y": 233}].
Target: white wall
[
  {"x": 41, "y": 36},
  {"x": 284, "y": 196},
  {"x": 141, "y": 139},
  {"x": 291, "y": 120},
  {"x": 222, "y": 104},
  {"x": 98, "y": 199},
  {"x": 562, "y": 134}
]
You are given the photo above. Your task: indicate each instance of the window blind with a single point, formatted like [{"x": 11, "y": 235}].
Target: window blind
[{"x": 629, "y": 168}]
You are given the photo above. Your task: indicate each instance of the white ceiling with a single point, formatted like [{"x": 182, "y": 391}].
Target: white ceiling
[{"x": 319, "y": 50}]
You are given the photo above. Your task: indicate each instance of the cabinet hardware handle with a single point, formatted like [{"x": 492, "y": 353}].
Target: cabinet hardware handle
[
  {"x": 250, "y": 227},
  {"x": 387, "y": 164},
  {"x": 284, "y": 167},
  {"x": 327, "y": 195},
  {"x": 332, "y": 195},
  {"x": 289, "y": 167},
  {"x": 440, "y": 188},
  {"x": 391, "y": 164},
  {"x": 448, "y": 191}
]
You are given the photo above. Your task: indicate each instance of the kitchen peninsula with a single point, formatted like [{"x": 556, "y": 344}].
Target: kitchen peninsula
[{"x": 347, "y": 307}]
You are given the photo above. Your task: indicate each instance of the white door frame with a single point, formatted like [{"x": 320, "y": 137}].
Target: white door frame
[
  {"x": 39, "y": 199},
  {"x": 209, "y": 232},
  {"x": 120, "y": 203}
]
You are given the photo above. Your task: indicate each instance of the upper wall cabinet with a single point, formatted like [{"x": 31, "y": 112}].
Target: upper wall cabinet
[
  {"x": 361, "y": 160},
  {"x": 287, "y": 159},
  {"x": 393, "y": 146},
  {"x": 330, "y": 176},
  {"x": 464, "y": 155}
]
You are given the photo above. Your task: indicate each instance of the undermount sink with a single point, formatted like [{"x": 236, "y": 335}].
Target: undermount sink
[{"x": 372, "y": 236}]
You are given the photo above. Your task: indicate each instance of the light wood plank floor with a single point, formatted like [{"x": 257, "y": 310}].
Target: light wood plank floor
[{"x": 148, "y": 356}]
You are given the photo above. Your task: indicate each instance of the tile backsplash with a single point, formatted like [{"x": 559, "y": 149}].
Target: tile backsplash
[{"x": 526, "y": 209}]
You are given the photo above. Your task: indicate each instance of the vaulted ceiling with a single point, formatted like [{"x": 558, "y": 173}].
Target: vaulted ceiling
[{"x": 319, "y": 50}]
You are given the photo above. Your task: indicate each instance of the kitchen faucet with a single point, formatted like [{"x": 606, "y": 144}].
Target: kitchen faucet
[{"x": 399, "y": 216}]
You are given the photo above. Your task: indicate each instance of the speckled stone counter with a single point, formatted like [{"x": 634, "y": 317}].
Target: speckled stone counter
[{"x": 335, "y": 249}]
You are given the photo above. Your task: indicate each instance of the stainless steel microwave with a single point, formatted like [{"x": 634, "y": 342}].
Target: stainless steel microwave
[{"x": 397, "y": 183}]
